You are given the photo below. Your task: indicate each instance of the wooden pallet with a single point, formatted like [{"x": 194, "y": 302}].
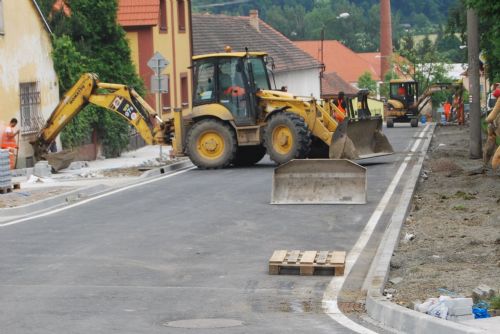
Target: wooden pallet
[{"x": 307, "y": 262}]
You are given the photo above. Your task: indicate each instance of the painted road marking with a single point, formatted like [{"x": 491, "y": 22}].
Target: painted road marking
[
  {"x": 329, "y": 302},
  {"x": 135, "y": 185}
]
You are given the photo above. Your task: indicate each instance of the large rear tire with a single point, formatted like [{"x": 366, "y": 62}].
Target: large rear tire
[
  {"x": 287, "y": 137},
  {"x": 211, "y": 144},
  {"x": 249, "y": 155}
]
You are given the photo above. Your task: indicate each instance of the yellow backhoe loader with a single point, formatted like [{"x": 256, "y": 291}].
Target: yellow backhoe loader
[
  {"x": 117, "y": 98},
  {"x": 235, "y": 120}
]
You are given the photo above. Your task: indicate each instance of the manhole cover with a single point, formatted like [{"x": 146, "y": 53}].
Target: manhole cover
[{"x": 204, "y": 323}]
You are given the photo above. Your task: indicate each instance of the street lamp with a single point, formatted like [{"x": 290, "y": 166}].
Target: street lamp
[{"x": 339, "y": 17}]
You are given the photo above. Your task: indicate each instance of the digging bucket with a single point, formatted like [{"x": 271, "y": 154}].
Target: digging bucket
[
  {"x": 319, "y": 181},
  {"x": 360, "y": 139}
]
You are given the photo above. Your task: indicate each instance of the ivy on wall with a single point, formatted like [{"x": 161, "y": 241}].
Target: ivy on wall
[{"x": 90, "y": 40}]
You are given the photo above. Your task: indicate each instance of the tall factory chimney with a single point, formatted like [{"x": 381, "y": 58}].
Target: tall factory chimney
[{"x": 385, "y": 37}]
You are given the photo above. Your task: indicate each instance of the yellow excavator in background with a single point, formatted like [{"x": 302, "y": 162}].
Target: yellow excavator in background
[
  {"x": 405, "y": 103},
  {"x": 236, "y": 118}
]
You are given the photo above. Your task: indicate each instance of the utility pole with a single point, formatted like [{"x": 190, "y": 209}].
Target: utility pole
[{"x": 475, "y": 147}]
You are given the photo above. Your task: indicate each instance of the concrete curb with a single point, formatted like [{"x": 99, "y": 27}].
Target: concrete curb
[
  {"x": 83, "y": 193},
  {"x": 169, "y": 168},
  {"x": 64, "y": 198},
  {"x": 377, "y": 306}
]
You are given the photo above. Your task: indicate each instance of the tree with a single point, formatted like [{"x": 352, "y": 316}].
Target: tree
[
  {"x": 91, "y": 40},
  {"x": 365, "y": 81},
  {"x": 489, "y": 33}
]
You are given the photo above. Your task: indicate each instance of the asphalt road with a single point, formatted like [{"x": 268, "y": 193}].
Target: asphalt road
[{"x": 193, "y": 246}]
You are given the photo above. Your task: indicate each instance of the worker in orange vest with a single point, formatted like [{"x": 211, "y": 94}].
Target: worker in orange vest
[
  {"x": 341, "y": 105},
  {"x": 9, "y": 141},
  {"x": 447, "y": 110}
]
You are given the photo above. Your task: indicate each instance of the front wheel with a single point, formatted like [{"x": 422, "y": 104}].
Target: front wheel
[
  {"x": 390, "y": 123},
  {"x": 287, "y": 137},
  {"x": 414, "y": 122},
  {"x": 211, "y": 144}
]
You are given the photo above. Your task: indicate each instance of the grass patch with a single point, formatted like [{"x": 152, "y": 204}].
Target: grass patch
[{"x": 465, "y": 196}]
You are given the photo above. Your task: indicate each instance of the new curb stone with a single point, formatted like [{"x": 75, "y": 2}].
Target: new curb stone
[{"x": 383, "y": 310}]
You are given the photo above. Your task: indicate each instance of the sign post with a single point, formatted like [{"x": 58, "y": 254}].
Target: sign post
[{"x": 159, "y": 82}]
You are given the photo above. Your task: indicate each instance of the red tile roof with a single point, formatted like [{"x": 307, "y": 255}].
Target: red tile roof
[
  {"x": 211, "y": 33},
  {"x": 138, "y": 12},
  {"x": 340, "y": 59},
  {"x": 374, "y": 59},
  {"x": 332, "y": 84},
  {"x": 398, "y": 63}
]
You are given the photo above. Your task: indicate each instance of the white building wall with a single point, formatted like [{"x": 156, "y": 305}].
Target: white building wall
[{"x": 300, "y": 83}]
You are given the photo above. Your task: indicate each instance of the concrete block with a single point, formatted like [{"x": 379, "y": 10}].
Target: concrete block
[
  {"x": 396, "y": 280},
  {"x": 459, "y": 306},
  {"x": 78, "y": 165},
  {"x": 42, "y": 169},
  {"x": 460, "y": 318},
  {"x": 482, "y": 292}
]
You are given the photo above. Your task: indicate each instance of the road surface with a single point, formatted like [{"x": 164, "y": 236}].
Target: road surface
[{"x": 160, "y": 257}]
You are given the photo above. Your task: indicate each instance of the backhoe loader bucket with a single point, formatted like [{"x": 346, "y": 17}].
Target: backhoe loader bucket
[
  {"x": 60, "y": 160},
  {"x": 319, "y": 181},
  {"x": 360, "y": 139}
]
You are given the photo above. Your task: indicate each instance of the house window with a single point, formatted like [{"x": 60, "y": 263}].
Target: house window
[
  {"x": 181, "y": 15},
  {"x": 31, "y": 116},
  {"x": 1, "y": 18},
  {"x": 184, "y": 90},
  {"x": 163, "y": 16},
  {"x": 165, "y": 97}
]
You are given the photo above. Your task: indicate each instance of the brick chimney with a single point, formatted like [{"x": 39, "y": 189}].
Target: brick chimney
[
  {"x": 385, "y": 37},
  {"x": 254, "y": 19}
]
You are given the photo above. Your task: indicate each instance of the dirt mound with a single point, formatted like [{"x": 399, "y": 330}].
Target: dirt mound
[{"x": 454, "y": 225}]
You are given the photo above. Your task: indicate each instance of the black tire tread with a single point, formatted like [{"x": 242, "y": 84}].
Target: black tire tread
[
  {"x": 212, "y": 123},
  {"x": 303, "y": 134}
]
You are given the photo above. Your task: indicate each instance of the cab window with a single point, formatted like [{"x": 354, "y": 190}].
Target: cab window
[{"x": 204, "y": 90}]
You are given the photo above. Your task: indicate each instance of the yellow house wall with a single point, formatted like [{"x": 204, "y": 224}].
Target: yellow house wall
[
  {"x": 25, "y": 56},
  {"x": 134, "y": 48},
  {"x": 176, "y": 48}
]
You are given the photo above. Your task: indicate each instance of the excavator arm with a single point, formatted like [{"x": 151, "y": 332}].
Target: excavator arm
[
  {"x": 117, "y": 98},
  {"x": 427, "y": 95}
]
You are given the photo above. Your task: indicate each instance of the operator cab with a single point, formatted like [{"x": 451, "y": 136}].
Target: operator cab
[
  {"x": 404, "y": 91},
  {"x": 231, "y": 79}
]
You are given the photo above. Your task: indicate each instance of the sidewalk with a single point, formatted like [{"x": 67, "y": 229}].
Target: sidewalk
[{"x": 81, "y": 179}]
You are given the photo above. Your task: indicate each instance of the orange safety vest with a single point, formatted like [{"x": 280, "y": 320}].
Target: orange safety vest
[
  {"x": 8, "y": 138},
  {"x": 340, "y": 116}
]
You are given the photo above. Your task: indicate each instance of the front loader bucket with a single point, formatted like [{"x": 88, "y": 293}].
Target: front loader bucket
[
  {"x": 360, "y": 139},
  {"x": 319, "y": 181},
  {"x": 368, "y": 138}
]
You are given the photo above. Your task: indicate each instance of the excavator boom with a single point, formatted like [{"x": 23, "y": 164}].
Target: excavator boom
[{"x": 117, "y": 98}]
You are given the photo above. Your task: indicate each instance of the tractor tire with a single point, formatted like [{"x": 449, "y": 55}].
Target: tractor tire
[
  {"x": 414, "y": 122},
  {"x": 287, "y": 137},
  {"x": 390, "y": 123},
  {"x": 211, "y": 144},
  {"x": 249, "y": 155}
]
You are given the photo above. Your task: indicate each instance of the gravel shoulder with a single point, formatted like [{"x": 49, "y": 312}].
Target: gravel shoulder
[{"x": 450, "y": 242}]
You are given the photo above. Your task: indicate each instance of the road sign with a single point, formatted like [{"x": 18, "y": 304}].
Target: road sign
[
  {"x": 157, "y": 63},
  {"x": 159, "y": 83}
]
